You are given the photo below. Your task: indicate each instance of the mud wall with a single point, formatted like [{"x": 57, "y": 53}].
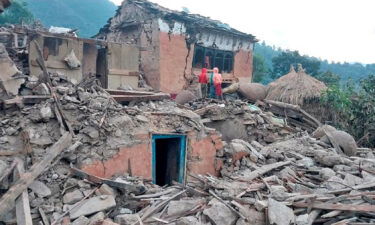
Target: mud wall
[
  {"x": 168, "y": 46},
  {"x": 136, "y": 159},
  {"x": 243, "y": 65},
  {"x": 176, "y": 57}
]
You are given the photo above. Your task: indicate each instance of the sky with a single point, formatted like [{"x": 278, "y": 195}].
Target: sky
[{"x": 336, "y": 30}]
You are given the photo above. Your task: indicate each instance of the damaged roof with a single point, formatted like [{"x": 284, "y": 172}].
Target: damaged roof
[{"x": 194, "y": 20}]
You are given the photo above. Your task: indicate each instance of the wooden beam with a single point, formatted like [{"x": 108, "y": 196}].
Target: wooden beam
[
  {"x": 331, "y": 206},
  {"x": 8, "y": 171},
  {"x": 263, "y": 170},
  {"x": 121, "y": 92},
  {"x": 136, "y": 189},
  {"x": 44, "y": 217},
  {"x": 296, "y": 108},
  {"x": 139, "y": 98},
  {"x": 23, "y": 213},
  {"x": 8, "y": 199}
]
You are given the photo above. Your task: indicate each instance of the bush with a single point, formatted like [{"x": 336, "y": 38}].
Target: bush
[{"x": 353, "y": 110}]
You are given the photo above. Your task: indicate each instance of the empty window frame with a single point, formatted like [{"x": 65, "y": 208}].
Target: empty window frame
[{"x": 210, "y": 58}]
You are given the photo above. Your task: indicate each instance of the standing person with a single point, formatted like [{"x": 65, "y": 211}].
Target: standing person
[
  {"x": 203, "y": 80},
  {"x": 212, "y": 85},
  {"x": 218, "y": 80}
]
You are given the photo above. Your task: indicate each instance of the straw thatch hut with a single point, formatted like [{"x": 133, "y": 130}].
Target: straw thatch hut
[{"x": 297, "y": 88}]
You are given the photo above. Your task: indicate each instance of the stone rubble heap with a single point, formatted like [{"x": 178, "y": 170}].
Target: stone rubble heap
[
  {"x": 271, "y": 174},
  {"x": 239, "y": 119}
]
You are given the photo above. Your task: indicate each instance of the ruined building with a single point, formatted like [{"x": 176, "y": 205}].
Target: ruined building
[{"x": 176, "y": 45}]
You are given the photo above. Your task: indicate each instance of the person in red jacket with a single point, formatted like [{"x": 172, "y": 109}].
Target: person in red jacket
[{"x": 203, "y": 80}]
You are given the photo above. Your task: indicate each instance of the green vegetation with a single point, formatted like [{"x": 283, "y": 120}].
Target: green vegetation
[
  {"x": 348, "y": 103},
  {"x": 281, "y": 63},
  {"x": 329, "y": 78},
  {"x": 278, "y": 61},
  {"x": 88, "y": 16},
  {"x": 17, "y": 13},
  {"x": 353, "y": 109},
  {"x": 260, "y": 68}
]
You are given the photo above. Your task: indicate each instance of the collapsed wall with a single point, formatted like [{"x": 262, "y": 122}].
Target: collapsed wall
[
  {"x": 72, "y": 154},
  {"x": 241, "y": 120}
]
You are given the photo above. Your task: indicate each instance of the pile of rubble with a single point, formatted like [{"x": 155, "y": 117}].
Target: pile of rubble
[
  {"x": 241, "y": 120},
  {"x": 270, "y": 173},
  {"x": 295, "y": 180}
]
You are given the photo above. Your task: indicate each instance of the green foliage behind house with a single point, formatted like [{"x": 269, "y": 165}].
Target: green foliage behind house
[
  {"x": 17, "y": 13},
  {"x": 88, "y": 16}
]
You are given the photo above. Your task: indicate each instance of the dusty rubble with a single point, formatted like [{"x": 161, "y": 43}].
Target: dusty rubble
[
  {"x": 295, "y": 180},
  {"x": 241, "y": 120},
  {"x": 271, "y": 173}
]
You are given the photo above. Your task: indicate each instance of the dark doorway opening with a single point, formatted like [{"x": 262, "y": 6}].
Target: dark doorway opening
[{"x": 168, "y": 159}]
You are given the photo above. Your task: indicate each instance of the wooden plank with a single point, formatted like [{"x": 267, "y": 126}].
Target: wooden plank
[
  {"x": 44, "y": 217},
  {"x": 357, "y": 187},
  {"x": 23, "y": 212},
  {"x": 129, "y": 98},
  {"x": 263, "y": 170},
  {"x": 123, "y": 72},
  {"x": 136, "y": 189},
  {"x": 8, "y": 171},
  {"x": 332, "y": 206},
  {"x": 7, "y": 200},
  {"x": 297, "y": 108},
  {"x": 159, "y": 206},
  {"x": 121, "y": 92}
]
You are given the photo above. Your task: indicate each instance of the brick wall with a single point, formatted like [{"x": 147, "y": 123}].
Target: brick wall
[
  {"x": 201, "y": 158},
  {"x": 243, "y": 65},
  {"x": 175, "y": 62}
]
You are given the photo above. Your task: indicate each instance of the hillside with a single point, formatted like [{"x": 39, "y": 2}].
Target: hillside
[
  {"x": 86, "y": 15},
  {"x": 346, "y": 71}
]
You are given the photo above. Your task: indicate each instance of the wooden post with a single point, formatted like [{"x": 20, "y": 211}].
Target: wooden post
[
  {"x": 8, "y": 199},
  {"x": 22, "y": 202}
]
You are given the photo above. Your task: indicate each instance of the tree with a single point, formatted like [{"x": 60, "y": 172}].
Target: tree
[
  {"x": 281, "y": 64},
  {"x": 353, "y": 109},
  {"x": 17, "y": 13},
  {"x": 260, "y": 69},
  {"x": 329, "y": 78}
]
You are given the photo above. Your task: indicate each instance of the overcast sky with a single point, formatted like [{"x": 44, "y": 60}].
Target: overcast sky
[{"x": 336, "y": 30}]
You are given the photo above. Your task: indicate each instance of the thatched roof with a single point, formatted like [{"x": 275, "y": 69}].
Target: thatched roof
[{"x": 296, "y": 88}]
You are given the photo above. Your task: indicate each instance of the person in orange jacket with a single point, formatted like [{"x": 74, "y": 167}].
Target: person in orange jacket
[{"x": 218, "y": 80}]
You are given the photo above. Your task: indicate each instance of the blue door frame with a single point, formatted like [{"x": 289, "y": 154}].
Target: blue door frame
[{"x": 181, "y": 175}]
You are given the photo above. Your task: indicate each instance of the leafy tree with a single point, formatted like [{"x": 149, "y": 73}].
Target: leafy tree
[
  {"x": 260, "y": 69},
  {"x": 281, "y": 64},
  {"x": 345, "y": 71},
  {"x": 329, "y": 78},
  {"x": 353, "y": 109},
  {"x": 17, "y": 13}
]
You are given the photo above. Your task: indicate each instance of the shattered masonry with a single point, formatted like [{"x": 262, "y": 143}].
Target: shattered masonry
[{"x": 86, "y": 142}]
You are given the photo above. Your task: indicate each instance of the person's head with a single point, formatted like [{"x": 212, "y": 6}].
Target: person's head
[{"x": 216, "y": 70}]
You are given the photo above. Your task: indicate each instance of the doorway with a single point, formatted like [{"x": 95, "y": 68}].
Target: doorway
[{"x": 168, "y": 159}]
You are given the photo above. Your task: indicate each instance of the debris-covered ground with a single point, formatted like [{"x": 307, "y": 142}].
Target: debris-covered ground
[
  {"x": 295, "y": 180},
  {"x": 272, "y": 172}
]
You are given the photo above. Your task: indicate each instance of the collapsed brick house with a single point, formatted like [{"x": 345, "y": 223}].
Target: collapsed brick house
[
  {"x": 176, "y": 45},
  {"x": 161, "y": 143}
]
